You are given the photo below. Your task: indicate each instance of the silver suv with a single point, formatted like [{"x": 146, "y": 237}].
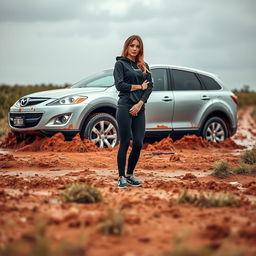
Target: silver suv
[{"x": 183, "y": 101}]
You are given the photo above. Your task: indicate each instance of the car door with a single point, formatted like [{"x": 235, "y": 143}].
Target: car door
[
  {"x": 190, "y": 99},
  {"x": 159, "y": 108}
]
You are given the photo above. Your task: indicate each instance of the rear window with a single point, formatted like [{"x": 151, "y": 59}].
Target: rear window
[
  {"x": 185, "y": 81},
  {"x": 209, "y": 83}
]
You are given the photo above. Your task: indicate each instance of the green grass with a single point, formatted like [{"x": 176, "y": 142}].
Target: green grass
[
  {"x": 222, "y": 169},
  {"x": 249, "y": 156},
  {"x": 245, "y": 169},
  {"x": 211, "y": 200},
  {"x": 247, "y": 163},
  {"x": 81, "y": 193}
]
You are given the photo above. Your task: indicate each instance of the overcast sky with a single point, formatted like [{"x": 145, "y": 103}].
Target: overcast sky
[{"x": 59, "y": 41}]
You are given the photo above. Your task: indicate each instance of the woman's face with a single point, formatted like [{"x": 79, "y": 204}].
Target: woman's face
[{"x": 134, "y": 49}]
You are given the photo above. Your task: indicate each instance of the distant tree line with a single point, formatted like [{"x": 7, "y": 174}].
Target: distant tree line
[
  {"x": 10, "y": 94},
  {"x": 245, "y": 88},
  {"x": 245, "y": 96}
]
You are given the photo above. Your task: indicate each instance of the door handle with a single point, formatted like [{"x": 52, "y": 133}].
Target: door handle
[
  {"x": 204, "y": 97},
  {"x": 166, "y": 98}
]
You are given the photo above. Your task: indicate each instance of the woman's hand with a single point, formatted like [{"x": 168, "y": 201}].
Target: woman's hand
[
  {"x": 136, "y": 108},
  {"x": 144, "y": 85}
]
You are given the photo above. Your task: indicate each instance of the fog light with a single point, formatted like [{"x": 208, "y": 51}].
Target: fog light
[{"x": 61, "y": 119}]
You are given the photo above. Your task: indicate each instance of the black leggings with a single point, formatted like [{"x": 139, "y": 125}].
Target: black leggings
[{"x": 129, "y": 125}]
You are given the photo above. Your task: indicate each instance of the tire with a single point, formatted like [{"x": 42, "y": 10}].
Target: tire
[
  {"x": 102, "y": 129},
  {"x": 215, "y": 130}
]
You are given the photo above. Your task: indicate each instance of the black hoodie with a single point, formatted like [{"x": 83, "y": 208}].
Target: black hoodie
[{"x": 127, "y": 73}]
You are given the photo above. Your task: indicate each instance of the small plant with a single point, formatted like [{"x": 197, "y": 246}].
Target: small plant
[
  {"x": 212, "y": 200},
  {"x": 113, "y": 223},
  {"x": 185, "y": 197},
  {"x": 81, "y": 193},
  {"x": 222, "y": 169},
  {"x": 244, "y": 169},
  {"x": 249, "y": 156}
]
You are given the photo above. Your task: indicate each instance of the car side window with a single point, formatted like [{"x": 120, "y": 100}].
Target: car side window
[
  {"x": 185, "y": 81},
  {"x": 159, "y": 76},
  {"x": 209, "y": 82}
]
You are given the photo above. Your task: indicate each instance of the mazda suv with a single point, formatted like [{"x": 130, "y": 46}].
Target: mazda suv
[{"x": 183, "y": 101}]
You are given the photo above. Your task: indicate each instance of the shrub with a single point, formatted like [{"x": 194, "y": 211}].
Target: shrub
[
  {"x": 81, "y": 193},
  {"x": 221, "y": 169}
]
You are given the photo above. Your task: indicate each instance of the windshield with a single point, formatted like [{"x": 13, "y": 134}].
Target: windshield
[{"x": 103, "y": 79}]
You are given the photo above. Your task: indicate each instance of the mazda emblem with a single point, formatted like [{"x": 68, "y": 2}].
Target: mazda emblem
[{"x": 24, "y": 101}]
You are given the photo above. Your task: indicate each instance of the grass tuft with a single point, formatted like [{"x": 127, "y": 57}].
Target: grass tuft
[
  {"x": 81, "y": 193},
  {"x": 185, "y": 197},
  {"x": 113, "y": 223},
  {"x": 222, "y": 169},
  {"x": 249, "y": 156},
  {"x": 245, "y": 169},
  {"x": 212, "y": 200}
]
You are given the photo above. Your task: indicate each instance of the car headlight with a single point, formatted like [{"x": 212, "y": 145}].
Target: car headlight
[{"x": 69, "y": 100}]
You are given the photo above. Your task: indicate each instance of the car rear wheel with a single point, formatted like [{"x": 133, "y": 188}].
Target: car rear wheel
[
  {"x": 102, "y": 130},
  {"x": 215, "y": 130}
]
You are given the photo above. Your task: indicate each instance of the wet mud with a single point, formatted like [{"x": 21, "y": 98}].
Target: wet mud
[{"x": 33, "y": 173}]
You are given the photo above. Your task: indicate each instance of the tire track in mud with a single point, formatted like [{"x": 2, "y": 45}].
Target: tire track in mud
[{"x": 246, "y": 131}]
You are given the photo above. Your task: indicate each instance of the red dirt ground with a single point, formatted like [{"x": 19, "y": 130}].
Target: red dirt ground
[{"x": 33, "y": 174}]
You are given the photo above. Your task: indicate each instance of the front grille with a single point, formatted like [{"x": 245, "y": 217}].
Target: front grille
[
  {"x": 32, "y": 101},
  {"x": 29, "y": 119}
]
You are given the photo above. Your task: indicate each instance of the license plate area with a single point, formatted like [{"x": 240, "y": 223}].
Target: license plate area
[{"x": 18, "y": 121}]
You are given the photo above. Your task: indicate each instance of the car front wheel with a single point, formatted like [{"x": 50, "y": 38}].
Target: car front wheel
[
  {"x": 101, "y": 129},
  {"x": 215, "y": 130}
]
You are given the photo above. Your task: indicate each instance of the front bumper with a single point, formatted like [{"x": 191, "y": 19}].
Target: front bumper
[{"x": 41, "y": 118}]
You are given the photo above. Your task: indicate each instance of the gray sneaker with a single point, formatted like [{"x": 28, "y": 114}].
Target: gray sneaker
[
  {"x": 133, "y": 181},
  {"x": 122, "y": 182}
]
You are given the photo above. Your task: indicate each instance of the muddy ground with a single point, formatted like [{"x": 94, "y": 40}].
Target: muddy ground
[{"x": 34, "y": 220}]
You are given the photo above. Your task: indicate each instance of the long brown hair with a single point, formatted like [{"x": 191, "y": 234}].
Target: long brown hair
[{"x": 140, "y": 57}]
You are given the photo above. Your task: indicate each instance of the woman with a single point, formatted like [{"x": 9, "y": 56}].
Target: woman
[{"x": 134, "y": 83}]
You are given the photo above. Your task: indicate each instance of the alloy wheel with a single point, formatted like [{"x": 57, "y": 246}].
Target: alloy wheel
[
  {"x": 104, "y": 133},
  {"x": 215, "y": 132}
]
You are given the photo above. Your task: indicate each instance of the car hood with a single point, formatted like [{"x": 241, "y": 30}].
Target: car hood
[{"x": 59, "y": 93}]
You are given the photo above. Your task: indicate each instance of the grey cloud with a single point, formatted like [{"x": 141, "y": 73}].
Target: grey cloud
[
  {"x": 218, "y": 36},
  {"x": 44, "y": 10}
]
